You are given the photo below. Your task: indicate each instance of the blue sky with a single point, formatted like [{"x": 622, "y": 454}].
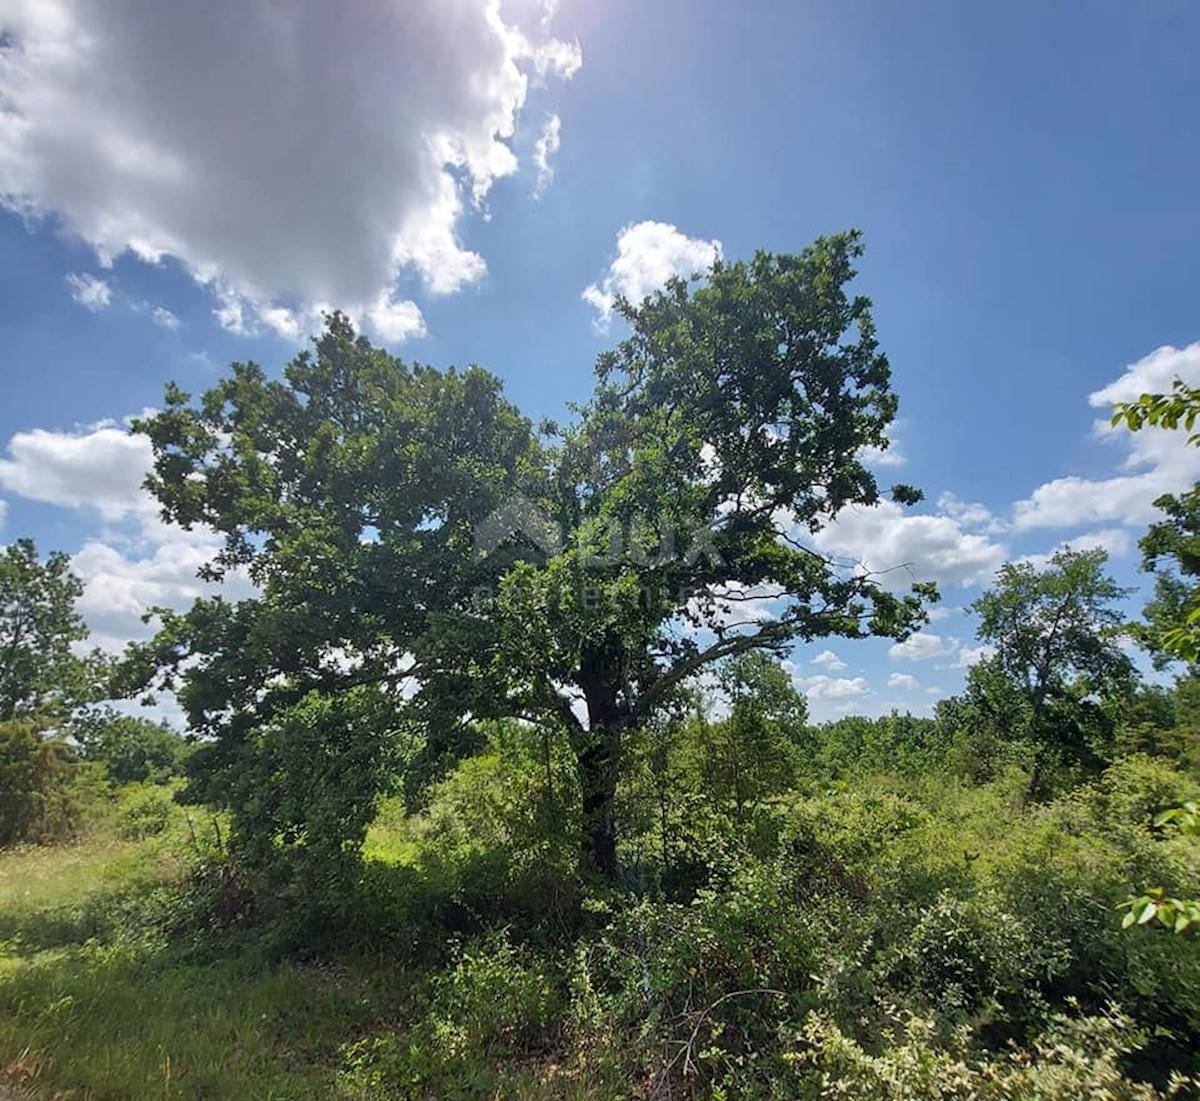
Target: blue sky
[{"x": 188, "y": 184}]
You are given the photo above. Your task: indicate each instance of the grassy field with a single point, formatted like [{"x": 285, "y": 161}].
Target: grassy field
[
  {"x": 94, "y": 1003},
  {"x": 100, "y": 1001},
  {"x": 447, "y": 974}
]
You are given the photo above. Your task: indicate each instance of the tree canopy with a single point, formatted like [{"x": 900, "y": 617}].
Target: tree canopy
[
  {"x": 1057, "y": 656},
  {"x": 411, "y": 534},
  {"x": 39, "y": 671}
]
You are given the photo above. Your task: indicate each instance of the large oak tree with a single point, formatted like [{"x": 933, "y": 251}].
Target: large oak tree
[{"x": 427, "y": 558}]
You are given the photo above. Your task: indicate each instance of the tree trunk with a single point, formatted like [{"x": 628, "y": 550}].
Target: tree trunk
[
  {"x": 599, "y": 762},
  {"x": 600, "y": 758}
]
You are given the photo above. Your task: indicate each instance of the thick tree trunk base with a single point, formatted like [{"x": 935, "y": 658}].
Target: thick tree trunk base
[{"x": 598, "y": 766}]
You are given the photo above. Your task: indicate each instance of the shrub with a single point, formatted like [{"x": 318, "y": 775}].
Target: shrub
[
  {"x": 143, "y": 811},
  {"x": 495, "y": 1002},
  {"x": 35, "y": 767},
  {"x": 1078, "y": 1059}
]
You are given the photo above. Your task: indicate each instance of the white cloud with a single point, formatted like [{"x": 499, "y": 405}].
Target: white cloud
[
  {"x": 138, "y": 561},
  {"x": 648, "y": 255},
  {"x": 1155, "y": 461},
  {"x": 969, "y": 514},
  {"x": 902, "y": 547},
  {"x": 920, "y": 647},
  {"x": 101, "y": 468},
  {"x": 547, "y": 145},
  {"x": 829, "y": 660},
  {"x": 1115, "y": 541},
  {"x": 395, "y": 322},
  {"x": 164, "y": 318},
  {"x": 90, "y": 292},
  {"x": 903, "y": 680},
  {"x": 973, "y": 655},
  {"x": 734, "y": 605},
  {"x": 287, "y": 155},
  {"x": 822, "y": 687},
  {"x": 118, "y": 589},
  {"x": 882, "y": 456},
  {"x": 3, "y": 513}
]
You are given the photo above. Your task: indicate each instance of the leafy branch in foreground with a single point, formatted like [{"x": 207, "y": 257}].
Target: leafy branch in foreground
[{"x": 1174, "y": 913}]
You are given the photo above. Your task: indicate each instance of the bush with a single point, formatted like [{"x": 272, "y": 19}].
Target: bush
[
  {"x": 970, "y": 956},
  {"x": 1078, "y": 1059},
  {"x": 133, "y": 749},
  {"x": 143, "y": 811},
  {"x": 496, "y": 1002},
  {"x": 698, "y": 990},
  {"x": 35, "y": 770},
  {"x": 501, "y": 841}
]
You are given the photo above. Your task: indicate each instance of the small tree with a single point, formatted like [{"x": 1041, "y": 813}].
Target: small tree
[
  {"x": 35, "y": 765},
  {"x": 1057, "y": 661},
  {"x": 39, "y": 672},
  {"x": 42, "y": 682},
  {"x": 754, "y": 751},
  {"x": 132, "y": 748}
]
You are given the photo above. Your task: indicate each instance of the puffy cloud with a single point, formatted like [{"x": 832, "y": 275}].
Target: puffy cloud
[
  {"x": 1155, "y": 461},
  {"x": 1114, "y": 541},
  {"x": 287, "y": 155},
  {"x": 829, "y": 660},
  {"x": 164, "y": 318},
  {"x": 882, "y": 456},
  {"x": 395, "y": 322},
  {"x": 648, "y": 255},
  {"x": 90, "y": 292},
  {"x": 3, "y": 513},
  {"x": 139, "y": 561},
  {"x": 901, "y": 547},
  {"x": 544, "y": 148},
  {"x": 973, "y": 655},
  {"x": 921, "y": 646},
  {"x": 118, "y": 589},
  {"x": 101, "y": 468},
  {"x": 903, "y": 680},
  {"x": 822, "y": 687},
  {"x": 969, "y": 514}
]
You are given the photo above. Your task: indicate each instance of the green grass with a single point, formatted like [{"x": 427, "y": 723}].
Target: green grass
[
  {"x": 94, "y": 1007},
  {"x": 98, "y": 1004}
]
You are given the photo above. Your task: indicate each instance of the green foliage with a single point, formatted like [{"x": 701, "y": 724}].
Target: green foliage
[
  {"x": 144, "y": 811},
  {"x": 755, "y": 751},
  {"x": 133, "y": 749},
  {"x": 909, "y": 934},
  {"x": 1175, "y": 914},
  {"x": 1171, "y": 548},
  {"x": 971, "y": 957},
  {"x": 1078, "y": 1059},
  {"x": 355, "y": 490},
  {"x": 499, "y": 836},
  {"x": 1058, "y": 673},
  {"x": 1168, "y": 411},
  {"x": 35, "y": 797},
  {"x": 899, "y": 743},
  {"x": 39, "y": 673},
  {"x": 301, "y": 791}
]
